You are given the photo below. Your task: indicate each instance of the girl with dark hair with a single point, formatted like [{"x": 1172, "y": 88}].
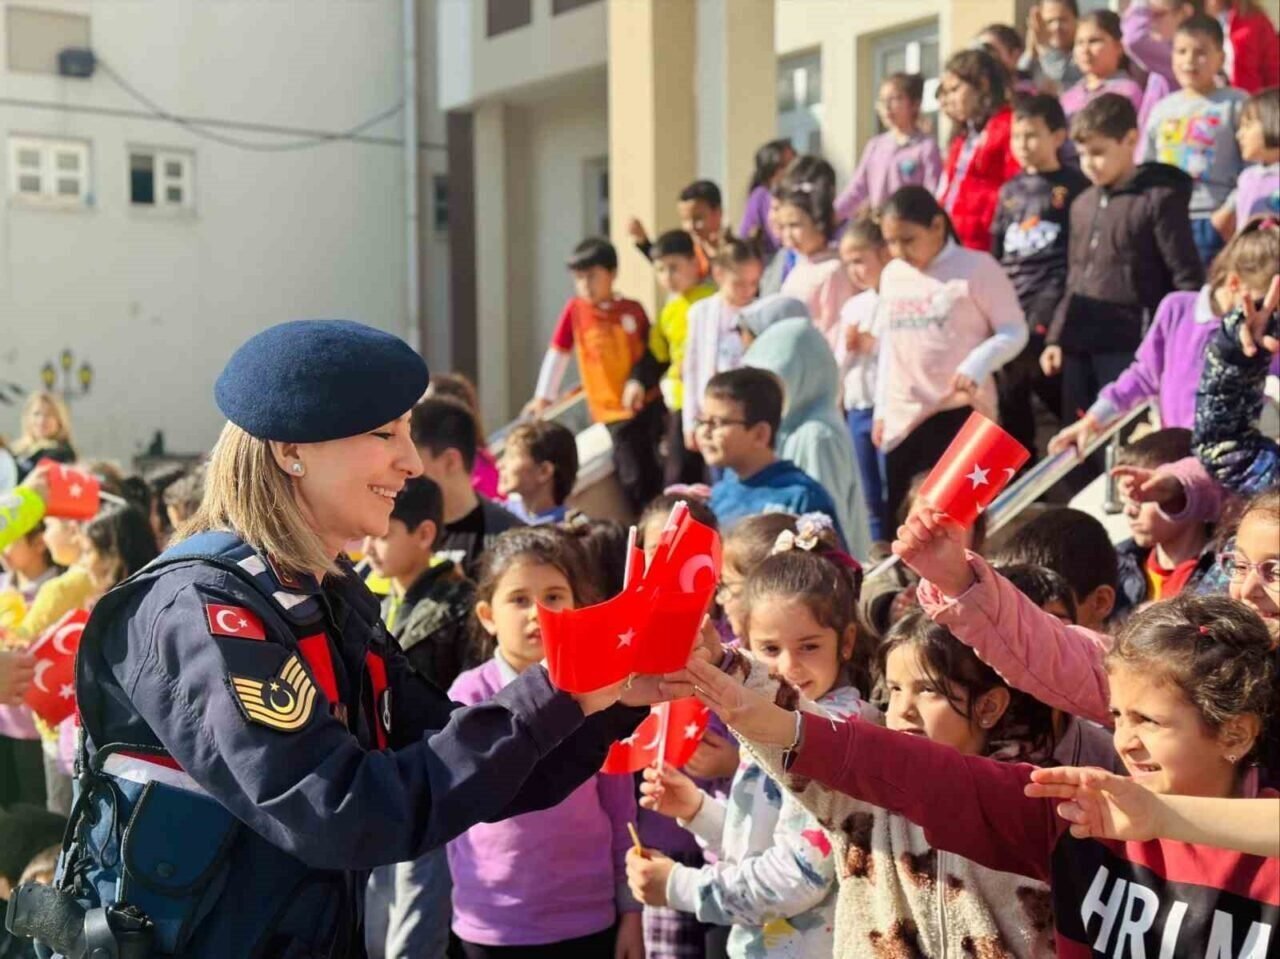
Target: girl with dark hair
[
  {"x": 807, "y": 222},
  {"x": 974, "y": 93},
  {"x": 118, "y": 542},
  {"x": 772, "y": 160},
  {"x": 1100, "y": 55},
  {"x": 1191, "y": 684},
  {"x": 948, "y": 319},
  {"x": 550, "y": 878},
  {"x": 901, "y": 156},
  {"x": 773, "y": 882}
]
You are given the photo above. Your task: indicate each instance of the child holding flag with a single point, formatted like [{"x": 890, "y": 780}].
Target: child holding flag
[
  {"x": 549, "y": 882},
  {"x": 773, "y": 881},
  {"x": 1191, "y": 682}
]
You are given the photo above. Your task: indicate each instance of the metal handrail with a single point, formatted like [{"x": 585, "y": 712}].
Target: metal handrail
[
  {"x": 571, "y": 407},
  {"x": 1037, "y": 481}
]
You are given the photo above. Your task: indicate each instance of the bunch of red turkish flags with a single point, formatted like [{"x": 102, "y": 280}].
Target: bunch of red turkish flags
[
  {"x": 651, "y": 626},
  {"x": 52, "y": 695},
  {"x": 976, "y": 467},
  {"x": 670, "y": 733},
  {"x": 73, "y": 494}
]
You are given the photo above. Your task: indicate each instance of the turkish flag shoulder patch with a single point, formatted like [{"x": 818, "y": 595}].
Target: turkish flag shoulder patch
[{"x": 234, "y": 621}]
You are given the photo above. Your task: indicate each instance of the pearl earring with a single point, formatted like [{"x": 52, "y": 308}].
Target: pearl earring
[{"x": 297, "y": 469}]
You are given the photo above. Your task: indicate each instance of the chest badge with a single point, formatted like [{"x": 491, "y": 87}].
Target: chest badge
[{"x": 284, "y": 702}]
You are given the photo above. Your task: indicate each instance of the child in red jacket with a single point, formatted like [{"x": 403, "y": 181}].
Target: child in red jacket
[
  {"x": 1253, "y": 60},
  {"x": 974, "y": 93}
]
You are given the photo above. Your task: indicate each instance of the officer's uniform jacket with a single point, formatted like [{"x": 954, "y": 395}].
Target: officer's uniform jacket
[{"x": 255, "y": 742}]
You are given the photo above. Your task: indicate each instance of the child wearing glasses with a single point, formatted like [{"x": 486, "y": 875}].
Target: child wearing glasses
[{"x": 736, "y": 431}]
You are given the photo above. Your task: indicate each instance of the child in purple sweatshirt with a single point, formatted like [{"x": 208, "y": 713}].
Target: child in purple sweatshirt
[
  {"x": 557, "y": 877},
  {"x": 1169, "y": 360},
  {"x": 901, "y": 156}
]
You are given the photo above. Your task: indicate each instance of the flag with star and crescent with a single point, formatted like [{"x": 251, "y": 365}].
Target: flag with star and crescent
[
  {"x": 72, "y": 493},
  {"x": 52, "y": 695},
  {"x": 976, "y": 467},
  {"x": 649, "y": 627},
  {"x": 674, "y": 737}
]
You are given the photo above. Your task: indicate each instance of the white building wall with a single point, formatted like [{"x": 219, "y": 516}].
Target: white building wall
[{"x": 157, "y": 303}]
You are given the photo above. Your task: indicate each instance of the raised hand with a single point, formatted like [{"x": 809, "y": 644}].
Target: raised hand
[
  {"x": 932, "y": 545},
  {"x": 669, "y": 792},
  {"x": 1253, "y": 331},
  {"x": 749, "y": 713},
  {"x": 1147, "y": 486},
  {"x": 1099, "y": 804}
]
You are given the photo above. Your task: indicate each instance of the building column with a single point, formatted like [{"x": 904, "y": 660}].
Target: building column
[
  {"x": 652, "y": 129},
  {"x": 492, "y": 334},
  {"x": 736, "y": 94},
  {"x": 962, "y": 19}
]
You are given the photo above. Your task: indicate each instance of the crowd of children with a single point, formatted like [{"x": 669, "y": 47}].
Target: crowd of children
[{"x": 1101, "y": 230}]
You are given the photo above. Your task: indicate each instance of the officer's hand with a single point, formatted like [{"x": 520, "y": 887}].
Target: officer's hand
[
  {"x": 17, "y": 669},
  {"x": 600, "y": 699}
]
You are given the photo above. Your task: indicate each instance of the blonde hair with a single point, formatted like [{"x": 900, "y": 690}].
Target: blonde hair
[
  {"x": 25, "y": 443},
  {"x": 246, "y": 491}
]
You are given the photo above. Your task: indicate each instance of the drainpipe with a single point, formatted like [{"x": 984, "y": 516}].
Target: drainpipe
[{"x": 412, "y": 278}]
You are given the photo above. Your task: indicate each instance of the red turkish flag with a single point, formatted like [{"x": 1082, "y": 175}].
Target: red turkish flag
[
  {"x": 683, "y": 579},
  {"x": 978, "y": 464},
  {"x": 73, "y": 493},
  {"x": 650, "y": 627},
  {"x": 52, "y": 695},
  {"x": 593, "y": 647},
  {"x": 686, "y": 723},
  {"x": 234, "y": 621}
]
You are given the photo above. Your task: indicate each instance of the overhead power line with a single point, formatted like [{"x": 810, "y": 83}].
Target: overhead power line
[{"x": 202, "y": 129}]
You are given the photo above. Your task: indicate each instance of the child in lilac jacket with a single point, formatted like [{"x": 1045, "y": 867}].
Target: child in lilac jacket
[
  {"x": 547, "y": 862},
  {"x": 1171, "y": 356}
]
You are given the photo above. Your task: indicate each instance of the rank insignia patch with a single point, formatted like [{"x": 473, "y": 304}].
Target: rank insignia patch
[{"x": 283, "y": 702}]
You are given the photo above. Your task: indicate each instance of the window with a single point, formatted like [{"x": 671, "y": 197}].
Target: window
[
  {"x": 160, "y": 178},
  {"x": 910, "y": 51},
  {"x": 800, "y": 100},
  {"x": 596, "y": 194},
  {"x": 48, "y": 171},
  {"x": 504, "y": 15},
  {"x": 564, "y": 6},
  {"x": 440, "y": 203}
]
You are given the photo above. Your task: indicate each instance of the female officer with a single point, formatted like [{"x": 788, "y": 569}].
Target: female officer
[{"x": 254, "y": 741}]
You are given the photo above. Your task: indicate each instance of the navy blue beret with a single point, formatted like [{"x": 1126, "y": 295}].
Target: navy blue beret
[{"x": 308, "y": 381}]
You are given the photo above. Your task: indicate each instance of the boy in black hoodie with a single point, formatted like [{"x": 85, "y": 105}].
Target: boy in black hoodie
[
  {"x": 430, "y": 601},
  {"x": 1029, "y": 236},
  {"x": 1131, "y": 244}
]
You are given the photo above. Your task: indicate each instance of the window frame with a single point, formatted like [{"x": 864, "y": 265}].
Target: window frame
[
  {"x": 50, "y": 174},
  {"x": 161, "y": 180}
]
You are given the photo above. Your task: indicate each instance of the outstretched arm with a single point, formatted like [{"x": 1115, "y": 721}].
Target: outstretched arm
[{"x": 1101, "y": 805}]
